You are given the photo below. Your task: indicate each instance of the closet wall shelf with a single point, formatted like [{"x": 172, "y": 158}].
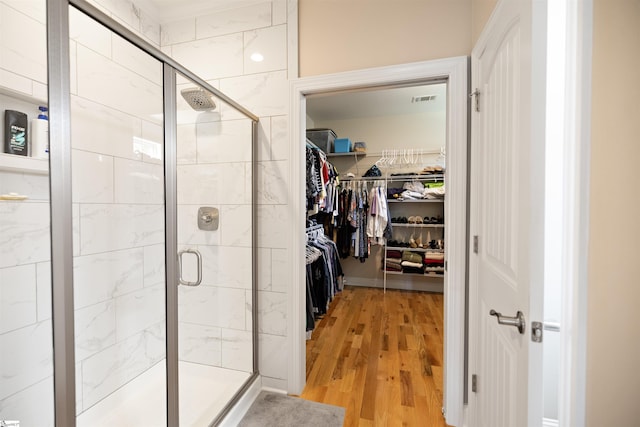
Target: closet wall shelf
[
  {"x": 432, "y": 177},
  {"x": 396, "y": 224},
  {"x": 403, "y": 248},
  {"x": 400, "y": 273},
  {"x": 14, "y": 163},
  {"x": 417, "y": 201},
  {"x": 352, "y": 153}
]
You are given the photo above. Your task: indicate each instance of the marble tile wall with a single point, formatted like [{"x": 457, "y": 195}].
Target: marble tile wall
[{"x": 218, "y": 46}]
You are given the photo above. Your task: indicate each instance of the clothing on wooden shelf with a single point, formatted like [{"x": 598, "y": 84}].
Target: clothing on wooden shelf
[
  {"x": 434, "y": 262},
  {"x": 323, "y": 274},
  {"x": 417, "y": 190}
]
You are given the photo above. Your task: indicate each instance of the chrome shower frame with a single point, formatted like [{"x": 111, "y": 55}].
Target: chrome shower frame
[{"x": 61, "y": 209}]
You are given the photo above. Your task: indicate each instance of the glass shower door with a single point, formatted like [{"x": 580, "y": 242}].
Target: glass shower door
[
  {"x": 119, "y": 228},
  {"x": 215, "y": 238}
]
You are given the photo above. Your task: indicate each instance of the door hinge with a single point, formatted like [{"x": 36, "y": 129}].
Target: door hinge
[
  {"x": 475, "y": 244},
  {"x": 474, "y": 383},
  {"x": 476, "y": 94}
]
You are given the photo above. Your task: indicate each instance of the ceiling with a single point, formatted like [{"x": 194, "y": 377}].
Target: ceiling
[{"x": 374, "y": 102}]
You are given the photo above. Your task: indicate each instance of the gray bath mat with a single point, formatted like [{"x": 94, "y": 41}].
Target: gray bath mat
[{"x": 279, "y": 410}]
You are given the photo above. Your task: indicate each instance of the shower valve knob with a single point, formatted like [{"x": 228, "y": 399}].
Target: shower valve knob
[{"x": 208, "y": 218}]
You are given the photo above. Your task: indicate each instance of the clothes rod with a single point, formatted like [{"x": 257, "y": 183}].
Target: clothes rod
[
  {"x": 400, "y": 151},
  {"x": 363, "y": 178}
]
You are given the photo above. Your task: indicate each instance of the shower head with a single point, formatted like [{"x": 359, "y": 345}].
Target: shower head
[{"x": 198, "y": 99}]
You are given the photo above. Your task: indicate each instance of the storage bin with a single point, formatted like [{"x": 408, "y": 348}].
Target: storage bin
[
  {"x": 360, "y": 147},
  {"x": 323, "y": 138},
  {"x": 342, "y": 145}
]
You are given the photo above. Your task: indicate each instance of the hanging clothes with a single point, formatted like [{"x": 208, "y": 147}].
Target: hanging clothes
[
  {"x": 323, "y": 274},
  {"x": 344, "y": 227},
  {"x": 321, "y": 179},
  {"x": 378, "y": 219},
  {"x": 362, "y": 219}
]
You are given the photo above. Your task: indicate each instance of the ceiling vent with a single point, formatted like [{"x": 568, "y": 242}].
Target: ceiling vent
[{"x": 423, "y": 98}]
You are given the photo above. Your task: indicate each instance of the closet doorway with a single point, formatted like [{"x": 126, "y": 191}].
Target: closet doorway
[{"x": 413, "y": 120}]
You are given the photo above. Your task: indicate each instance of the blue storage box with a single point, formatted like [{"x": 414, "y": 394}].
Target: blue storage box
[{"x": 342, "y": 145}]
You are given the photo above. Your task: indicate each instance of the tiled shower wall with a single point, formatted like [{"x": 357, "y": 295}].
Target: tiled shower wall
[{"x": 218, "y": 47}]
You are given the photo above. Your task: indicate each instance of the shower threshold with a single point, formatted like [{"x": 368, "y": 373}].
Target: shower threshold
[{"x": 204, "y": 391}]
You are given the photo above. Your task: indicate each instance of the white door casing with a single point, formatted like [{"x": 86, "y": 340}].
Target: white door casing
[
  {"x": 507, "y": 204},
  {"x": 454, "y": 71}
]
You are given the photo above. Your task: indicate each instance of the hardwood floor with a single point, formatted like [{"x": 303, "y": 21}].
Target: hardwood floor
[{"x": 379, "y": 356}]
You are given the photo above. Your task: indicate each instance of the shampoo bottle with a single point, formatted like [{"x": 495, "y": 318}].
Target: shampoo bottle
[
  {"x": 40, "y": 134},
  {"x": 15, "y": 133}
]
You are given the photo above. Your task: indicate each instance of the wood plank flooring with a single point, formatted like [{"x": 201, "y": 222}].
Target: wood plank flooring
[{"x": 379, "y": 356}]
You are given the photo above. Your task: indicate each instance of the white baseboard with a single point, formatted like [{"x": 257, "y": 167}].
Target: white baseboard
[
  {"x": 405, "y": 283},
  {"x": 548, "y": 422},
  {"x": 274, "y": 390},
  {"x": 235, "y": 415}
]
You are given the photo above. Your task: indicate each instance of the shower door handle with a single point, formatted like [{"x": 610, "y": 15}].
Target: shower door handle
[{"x": 199, "y": 259}]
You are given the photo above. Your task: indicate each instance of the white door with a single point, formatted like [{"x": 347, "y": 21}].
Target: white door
[{"x": 507, "y": 190}]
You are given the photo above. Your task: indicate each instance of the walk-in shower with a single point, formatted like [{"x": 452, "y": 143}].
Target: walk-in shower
[{"x": 147, "y": 168}]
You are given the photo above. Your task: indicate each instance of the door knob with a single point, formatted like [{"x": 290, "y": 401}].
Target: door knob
[{"x": 517, "y": 321}]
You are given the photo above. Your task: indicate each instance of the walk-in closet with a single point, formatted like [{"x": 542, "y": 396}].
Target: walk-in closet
[{"x": 376, "y": 168}]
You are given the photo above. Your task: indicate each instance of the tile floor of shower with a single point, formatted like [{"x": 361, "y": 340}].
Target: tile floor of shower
[{"x": 203, "y": 393}]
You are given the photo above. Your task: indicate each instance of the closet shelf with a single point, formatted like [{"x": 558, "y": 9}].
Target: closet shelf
[
  {"x": 402, "y": 224},
  {"x": 352, "y": 153},
  {"x": 14, "y": 163},
  {"x": 425, "y": 177},
  {"x": 417, "y": 201},
  {"x": 400, "y": 273},
  {"x": 404, "y": 248}
]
